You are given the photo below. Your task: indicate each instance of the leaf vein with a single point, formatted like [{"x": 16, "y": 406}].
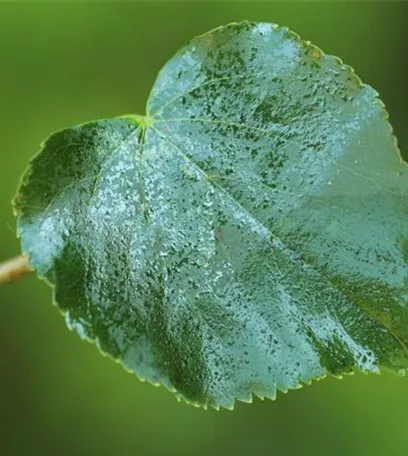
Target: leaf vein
[{"x": 279, "y": 241}]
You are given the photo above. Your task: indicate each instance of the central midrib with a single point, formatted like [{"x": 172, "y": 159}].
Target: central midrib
[{"x": 288, "y": 250}]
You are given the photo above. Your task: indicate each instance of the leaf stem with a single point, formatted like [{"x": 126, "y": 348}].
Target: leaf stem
[{"x": 14, "y": 269}]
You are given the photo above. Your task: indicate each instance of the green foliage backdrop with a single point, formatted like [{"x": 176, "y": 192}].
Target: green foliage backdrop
[{"x": 68, "y": 63}]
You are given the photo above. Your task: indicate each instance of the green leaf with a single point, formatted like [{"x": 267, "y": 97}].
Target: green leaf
[{"x": 248, "y": 235}]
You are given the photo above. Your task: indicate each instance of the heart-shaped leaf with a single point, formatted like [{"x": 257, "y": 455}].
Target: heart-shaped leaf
[{"x": 248, "y": 235}]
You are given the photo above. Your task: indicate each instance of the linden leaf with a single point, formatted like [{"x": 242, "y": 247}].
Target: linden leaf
[{"x": 248, "y": 235}]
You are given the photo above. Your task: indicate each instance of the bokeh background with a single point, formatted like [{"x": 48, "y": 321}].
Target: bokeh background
[{"x": 61, "y": 64}]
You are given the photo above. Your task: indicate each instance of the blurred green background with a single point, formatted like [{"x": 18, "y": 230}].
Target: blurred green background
[{"x": 61, "y": 64}]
